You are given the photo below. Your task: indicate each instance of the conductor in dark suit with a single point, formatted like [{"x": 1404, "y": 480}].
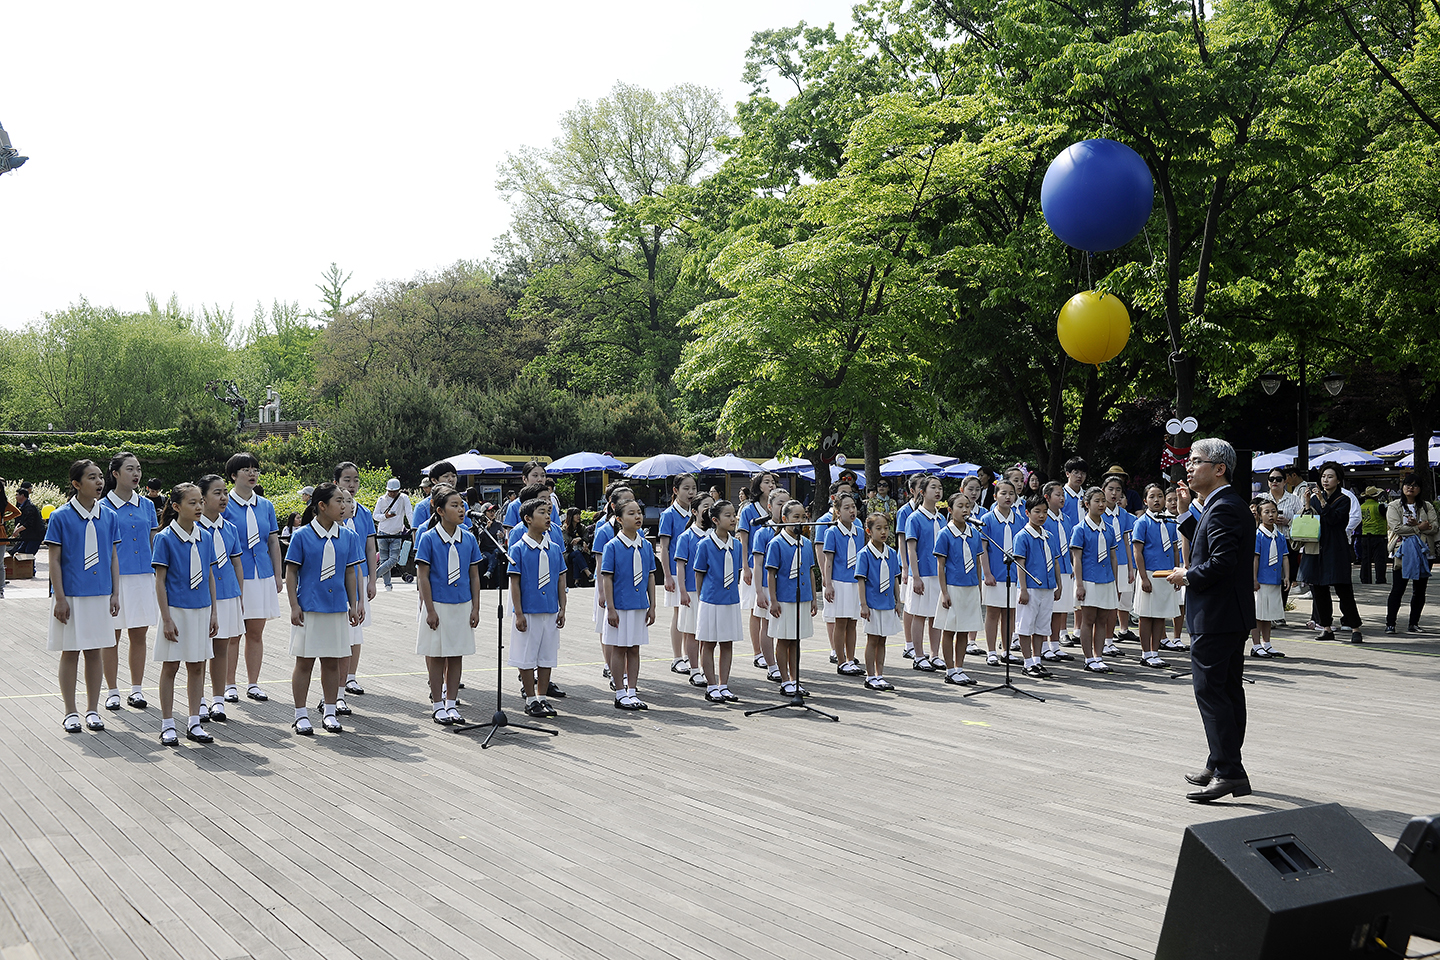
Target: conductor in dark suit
[{"x": 1219, "y": 610}]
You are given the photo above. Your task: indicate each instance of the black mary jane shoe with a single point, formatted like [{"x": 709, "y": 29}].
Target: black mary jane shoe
[
  {"x": 198, "y": 734},
  {"x": 554, "y": 691}
]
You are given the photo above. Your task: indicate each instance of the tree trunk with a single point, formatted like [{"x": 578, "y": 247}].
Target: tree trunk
[
  {"x": 1421, "y": 401},
  {"x": 872, "y": 459},
  {"x": 1054, "y": 464},
  {"x": 1089, "y": 427}
]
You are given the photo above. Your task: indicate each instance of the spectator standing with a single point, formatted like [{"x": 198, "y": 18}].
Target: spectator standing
[
  {"x": 8, "y": 512},
  {"x": 882, "y": 502},
  {"x": 1373, "y": 530},
  {"x": 1413, "y": 530},
  {"x": 392, "y": 522},
  {"x": 577, "y": 553},
  {"x": 29, "y": 527},
  {"x": 1339, "y": 513},
  {"x": 155, "y": 493}
]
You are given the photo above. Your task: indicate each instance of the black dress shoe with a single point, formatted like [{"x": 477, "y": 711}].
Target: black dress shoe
[
  {"x": 554, "y": 691},
  {"x": 1201, "y": 778},
  {"x": 1218, "y": 789}
]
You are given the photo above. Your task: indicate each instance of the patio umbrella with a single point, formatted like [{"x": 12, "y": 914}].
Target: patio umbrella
[
  {"x": 789, "y": 465},
  {"x": 902, "y": 466},
  {"x": 1409, "y": 459},
  {"x": 583, "y": 463},
  {"x": 470, "y": 463},
  {"x": 727, "y": 464},
  {"x": 1405, "y": 445},
  {"x": 1346, "y": 458},
  {"x": 661, "y": 466},
  {"x": 961, "y": 470},
  {"x": 934, "y": 459},
  {"x": 1270, "y": 461}
]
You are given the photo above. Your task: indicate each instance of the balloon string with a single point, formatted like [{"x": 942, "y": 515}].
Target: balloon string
[
  {"x": 1147, "y": 243},
  {"x": 1088, "y": 278}
]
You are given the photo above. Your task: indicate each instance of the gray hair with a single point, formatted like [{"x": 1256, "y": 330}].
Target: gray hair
[{"x": 1217, "y": 450}]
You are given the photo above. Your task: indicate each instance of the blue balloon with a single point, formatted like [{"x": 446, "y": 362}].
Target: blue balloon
[{"x": 1097, "y": 195}]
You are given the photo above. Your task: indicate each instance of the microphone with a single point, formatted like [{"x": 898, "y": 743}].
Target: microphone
[{"x": 975, "y": 521}]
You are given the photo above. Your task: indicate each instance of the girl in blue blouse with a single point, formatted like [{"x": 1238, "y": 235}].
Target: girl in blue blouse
[
  {"x": 362, "y": 524},
  {"x": 627, "y": 570},
  {"x": 754, "y": 510},
  {"x": 843, "y": 543},
  {"x": 320, "y": 575},
  {"x": 185, "y": 588},
  {"x": 878, "y": 569},
  {"x": 448, "y": 573},
  {"x": 136, "y": 520},
  {"x": 760, "y": 537},
  {"x": 85, "y": 581},
  {"x": 788, "y": 568},
  {"x": 229, "y": 615},
  {"x": 718, "y": 562},
  {"x": 673, "y": 523},
  {"x": 684, "y": 551}
]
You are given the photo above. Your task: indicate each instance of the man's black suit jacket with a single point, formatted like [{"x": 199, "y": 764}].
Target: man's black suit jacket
[{"x": 1220, "y": 597}]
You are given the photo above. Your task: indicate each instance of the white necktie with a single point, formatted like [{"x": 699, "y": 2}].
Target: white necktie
[
  {"x": 327, "y": 556},
  {"x": 1049, "y": 557},
  {"x": 850, "y": 539},
  {"x": 1060, "y": 525},
  {"x": 885, "y": 571},
  {"x": 795, "y": 565},
  {"x": 1274, "y": 557},
  {"x": 1164, "y": 532},
  {"x": 453, "y": 571},
  {"x": 92, "y": 542},
  {"x": 1010, "y": 533},
  {"x": 1115, "y": 523},
  {"x": 637, "y": 561},
  {"x": 221, "y": 556},
  {"x": 197, "y": 569},
  {"x": 1102, "y": 549},
  {"x": 729, "y": 567},
  {"x": 544, "y": 548},
  {"x": 252, "y": 527}
]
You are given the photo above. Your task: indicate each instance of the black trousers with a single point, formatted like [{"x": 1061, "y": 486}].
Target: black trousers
[
  {"x": 1217, "y": 661},
  {"x": 1397, "y": 594},
  {"x": 1325, "y": 614},
  {"x": 1373, "y": 548}
]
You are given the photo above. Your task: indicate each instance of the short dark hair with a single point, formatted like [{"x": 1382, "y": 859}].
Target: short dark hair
[
  {"x": 243, "y": 460},
  {"x": 528, "y": 508},
  {"x": 534, "y": 491},
  {"x": 1076, "y": 463},
  {"x": 442, "y": 468},
  {"x": 1035, "y": 500}
]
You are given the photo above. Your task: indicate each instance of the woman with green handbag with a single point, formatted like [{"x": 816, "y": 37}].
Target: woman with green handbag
[{"x": 1333, "y": 564}]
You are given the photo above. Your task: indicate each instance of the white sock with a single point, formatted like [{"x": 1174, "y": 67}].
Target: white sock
[
  {"x": 437, "y": 705},
  {"x": 711, "y": 688},
  {"x": 194, "y": 720},
  {"x": 168, "y": 724},
  {"x": 329, "y": 709},
  {"x": 349, "y": 678},
  {"x": 301, "y": 713},
  {"x": 134, "y": 688},
  {"x": 449, "y": 704},
  {"x": 114, "y": 692},
  {"x": 528, "y": 700},
  {"x": 1267, "y": 646}
]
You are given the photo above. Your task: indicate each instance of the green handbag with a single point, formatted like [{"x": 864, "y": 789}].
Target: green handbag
[{"x": 1305, "y": 528}]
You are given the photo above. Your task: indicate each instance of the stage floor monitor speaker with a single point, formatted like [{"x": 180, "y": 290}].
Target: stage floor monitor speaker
[
  {"x": 1306, "y": 883},
  {"x": 1419, "y": 846}
]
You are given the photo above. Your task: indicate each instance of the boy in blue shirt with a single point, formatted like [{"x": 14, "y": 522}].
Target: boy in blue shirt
[
  {"x": 1039, "y": 586},
  {"x": 537, "y": 595},
  {"x": 1059, "y": 530}
]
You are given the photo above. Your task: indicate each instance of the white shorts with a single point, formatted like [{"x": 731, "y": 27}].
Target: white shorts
[
  {"x": 138, "y": 604},
  {"x": 882, "y": 623},
  {"x": 260, "y": 600},
  {"x": 847, "y": 602},
  {"x": 718, "y": 623},
  {"x": 90, "y": 626},
  {"x": 1102, "y": 596},
  {"x": 194, "y": 644},
  {"x": 632, "y": 631},
  {"x": 964, "y": 614},
  {"x": 1033, "y": 619},
  {"x": 1123, "y": 587},
  {"x": 995, "y": 596},
  {"x": 322, "y": 635},
  {"x": 924, "y": 604},
  {"x": 747, "y": 593},
  {"x": 229, "y": 617},
  {"x": 687, "y": 614},
  {"x": 1162, "y": 602},
  {"x": 1066, "y": 603},
  {"x": 453, "y": 638},
  {"x": 783, "y": 627},
  {"x": 538, "y": 645},
  {"x": 1269, "y": 603}
]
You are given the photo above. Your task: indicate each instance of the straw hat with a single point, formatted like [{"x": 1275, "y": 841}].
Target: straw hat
[{"x": 1371, "y": 492}]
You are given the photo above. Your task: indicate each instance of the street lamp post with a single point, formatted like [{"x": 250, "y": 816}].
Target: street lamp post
[{"x": 1334, "y": 382}]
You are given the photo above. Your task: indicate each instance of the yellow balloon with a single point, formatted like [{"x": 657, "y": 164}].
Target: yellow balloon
[
  {"x": 1093, "y": 327},
  {"x": 45, "y": 513}
]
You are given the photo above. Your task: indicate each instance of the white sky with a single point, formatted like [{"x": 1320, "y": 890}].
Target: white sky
[{"x": 228, "y": 153}]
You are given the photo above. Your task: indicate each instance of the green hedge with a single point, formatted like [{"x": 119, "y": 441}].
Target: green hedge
[
  {"x": 169, "y": 462},
  {"x": 114, "y": 439}
]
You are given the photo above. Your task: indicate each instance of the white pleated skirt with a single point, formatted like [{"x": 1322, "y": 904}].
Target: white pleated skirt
[
  {"x": 453, "y": 638},
  {"x": 924, "y": 604},
  {"x": 194, "y": 644},
  {"x": 719, "y": 623},
  {"x": 783, "y": 627},
  {"x": 882, "y": 623},
  {"x": 1162, "y": 602},
  {"x": 847, "y": 602},
  {"x": 965, "y": 614},
  {"x": 322, "y": 635},
  {"x": 597, "y": 612},
  {"x": 139, "y": 606},
  {"x": 230, "y": 617},
  {"x": 631, "y": 631},
  {"x": 1123, "y": 586},
  {"x": 668, "y": 598},
  {"x": 1102, "y": 596},
  {"x": 259, "y": 598},
  {"x": 747, "y": 592},
  {"x": 688, "y": 614},
  {"x": 90, "y": 626},
  {"x": 1066, "y": 603},
  {"x": 1269, "y": 603},
  {"x": 995, "y": 596}
]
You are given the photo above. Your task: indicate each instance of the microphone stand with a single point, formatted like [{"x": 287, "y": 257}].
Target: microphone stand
[
  {"x": 797, "y": 701},
  {"x": 498, "y": 720},
  {"x": 1005, "y": 636}
]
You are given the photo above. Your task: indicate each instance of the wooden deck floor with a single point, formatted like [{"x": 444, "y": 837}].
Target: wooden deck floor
[{"x": 921, "y": 825}]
